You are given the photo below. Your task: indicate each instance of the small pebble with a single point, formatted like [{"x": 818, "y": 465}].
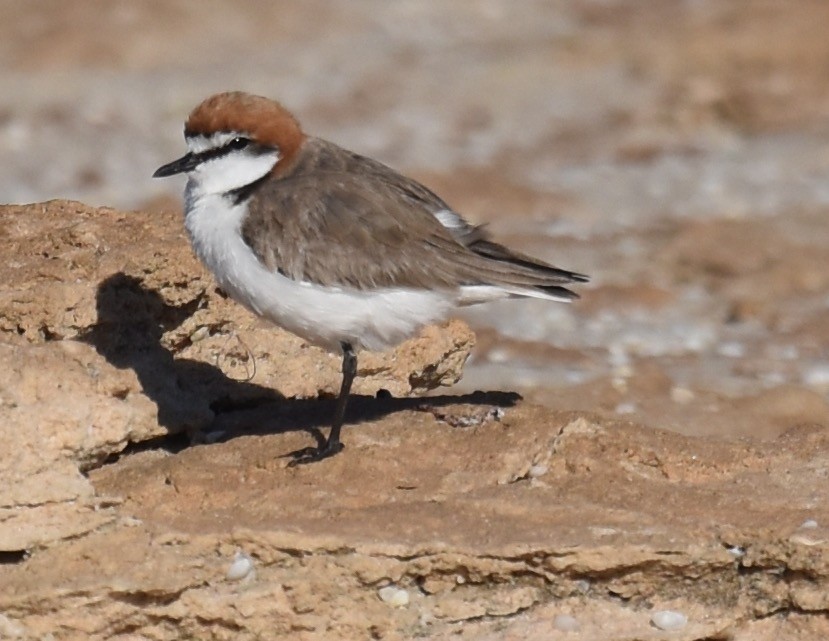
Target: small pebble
[
  {"x": 199, "y": 334},
  {"x": 538, "y": 470},
  {"x": 737, "y": 551},
  {"x": 566, "y": 623},
  {"x": 241, "y": 567},
  {"x": 809, "y": 524},
  {"x": 394, "y": 596},
  {"x": 583, "y": 586},
  {"x": 669, "y": 620}
]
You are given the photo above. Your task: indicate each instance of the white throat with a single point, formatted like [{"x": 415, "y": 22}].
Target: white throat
[{"x": 227, "y": 172}]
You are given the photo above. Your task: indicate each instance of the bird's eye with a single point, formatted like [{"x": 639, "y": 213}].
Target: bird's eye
[{"x": 238, "y": 143}]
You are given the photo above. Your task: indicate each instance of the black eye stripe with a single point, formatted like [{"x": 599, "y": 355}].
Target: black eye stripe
[
  {"x": 210, "y": 154},
  {"x": 236, "y": 144}
]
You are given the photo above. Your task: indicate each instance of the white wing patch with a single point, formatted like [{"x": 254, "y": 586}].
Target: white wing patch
[{"x": 450, "y": 220}]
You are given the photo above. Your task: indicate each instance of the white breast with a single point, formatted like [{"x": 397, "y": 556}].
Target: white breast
[{"x": 326, "y": 316}]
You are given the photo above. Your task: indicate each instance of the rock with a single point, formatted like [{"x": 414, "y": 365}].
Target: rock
[
  {"x": 394, "y": 596},
  {"x": 415, "y": 501},
  {"x": 112, "y": 334},
  {"x": 241, "y": 568},
  {"x": 664, "y": 147},
  {"x": 445, "y": 494},
  {"x": 669, "y": 620},
  {"x": 566, "y": 623},
  {"x": 10, "y": 629}
]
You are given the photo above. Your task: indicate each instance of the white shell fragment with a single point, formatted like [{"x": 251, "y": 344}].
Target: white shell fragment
[
  {"x": 566, "y": 623},
  {"x": 394, "y": 596},
  {"x": 669, "y": 620},
  {"x": 809, "y": 524},
  {"x": 241, "y": 567}
]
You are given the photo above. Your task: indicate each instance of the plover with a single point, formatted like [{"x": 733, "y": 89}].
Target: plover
[{"x": 333, "y": 246}]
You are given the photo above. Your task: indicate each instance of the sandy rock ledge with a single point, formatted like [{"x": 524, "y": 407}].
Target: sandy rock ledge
[
  {"x": 473, "y": 517},
  {"x": 112, "y": 334}
]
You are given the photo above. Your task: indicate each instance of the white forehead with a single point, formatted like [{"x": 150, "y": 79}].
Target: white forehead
[{"x": 198, "y": 143}]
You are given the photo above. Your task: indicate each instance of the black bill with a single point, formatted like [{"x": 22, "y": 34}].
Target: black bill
[{"x": 186, "y": 163}]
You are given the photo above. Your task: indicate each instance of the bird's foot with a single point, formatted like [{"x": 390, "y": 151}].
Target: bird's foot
[{"x": 313, "y": 454}]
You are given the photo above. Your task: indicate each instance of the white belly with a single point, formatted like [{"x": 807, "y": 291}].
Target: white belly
[{"x": 325, "y": 316}]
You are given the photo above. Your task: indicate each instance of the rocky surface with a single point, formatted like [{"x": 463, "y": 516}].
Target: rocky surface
[
  {"x": 492, "y": 530},
  {"x": 146, "y": 493},
  {"x": 112, "y": 334},
  {"x": 664, "y": 476}
]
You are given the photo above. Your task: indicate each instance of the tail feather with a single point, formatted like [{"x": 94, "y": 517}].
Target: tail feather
[
  {"x": 474, "y": 294},
  {"x": 494, "y": 251},
  {"x": 557, "y": 292},
  {"x": 493, "y": 271}
]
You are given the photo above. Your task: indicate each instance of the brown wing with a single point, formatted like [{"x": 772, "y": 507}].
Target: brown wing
[
  {"x": 337, "y": 230},
  {"x": 340, "y": 219}
]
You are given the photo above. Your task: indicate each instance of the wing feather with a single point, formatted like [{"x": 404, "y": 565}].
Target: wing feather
[{"x": 342, "y": 220}]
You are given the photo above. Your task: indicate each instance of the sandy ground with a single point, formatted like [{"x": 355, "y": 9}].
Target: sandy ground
[{"x": 668, "y": 453}]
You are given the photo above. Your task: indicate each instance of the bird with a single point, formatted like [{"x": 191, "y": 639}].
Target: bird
[{"x": 331, "y": 245}]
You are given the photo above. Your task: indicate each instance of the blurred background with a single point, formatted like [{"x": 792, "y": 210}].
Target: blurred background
[{"x": 675, "y": 150}]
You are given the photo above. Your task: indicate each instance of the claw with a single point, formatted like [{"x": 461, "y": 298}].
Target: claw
[
  {"x": 313, "y": 454},
  {"x": 333, "y": 445}
]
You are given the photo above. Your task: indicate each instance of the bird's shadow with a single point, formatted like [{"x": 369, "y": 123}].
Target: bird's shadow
[{"x": 197, "y": 401}]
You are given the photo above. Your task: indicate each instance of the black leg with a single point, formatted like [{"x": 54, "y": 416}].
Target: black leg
[
  {"x": 333, "y": 445},
  {"x": 349, "y": 372}
]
